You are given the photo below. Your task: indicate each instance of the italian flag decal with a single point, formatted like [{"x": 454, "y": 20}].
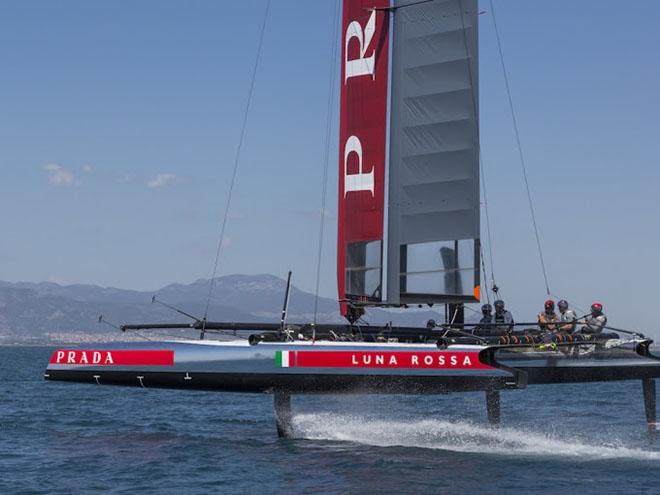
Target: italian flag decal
[{"x": 283, "y": 359}]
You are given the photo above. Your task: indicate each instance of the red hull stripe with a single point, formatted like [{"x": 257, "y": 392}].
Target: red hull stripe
[
  {"x": 111, "y": 357},
  {"x": 409, "y": 360}
]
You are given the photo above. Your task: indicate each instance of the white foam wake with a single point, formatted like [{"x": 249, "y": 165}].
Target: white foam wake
[{"x": 457, "y": 436}]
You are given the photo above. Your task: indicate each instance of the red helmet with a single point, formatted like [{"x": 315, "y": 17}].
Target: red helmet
[
  {"x": 597, "y": 307},
  {"x": 549, "y": 304}
]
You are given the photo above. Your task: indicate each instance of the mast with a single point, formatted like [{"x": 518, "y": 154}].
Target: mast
[{"x": 285, "y": 306}]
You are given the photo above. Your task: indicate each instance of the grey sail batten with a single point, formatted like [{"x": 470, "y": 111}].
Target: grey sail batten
[{"x": 433, "y": 194}]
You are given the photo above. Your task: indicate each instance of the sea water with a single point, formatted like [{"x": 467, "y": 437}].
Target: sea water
[{"x": 76, "y": 438}]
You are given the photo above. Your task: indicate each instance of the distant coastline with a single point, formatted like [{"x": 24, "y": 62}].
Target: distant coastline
[{"x": 47, "y": 313}]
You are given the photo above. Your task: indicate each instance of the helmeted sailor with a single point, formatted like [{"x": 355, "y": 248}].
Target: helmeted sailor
[
  {"x": 596, "y": 321},
  {"x": 548, "y": 318},
  {"x": 486, "y": 323},
  {"x": 502, "y": 318},
  {"x": 566, "y": 317}
]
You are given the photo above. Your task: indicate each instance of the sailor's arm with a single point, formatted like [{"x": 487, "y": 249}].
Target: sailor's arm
[
  {"x": 567, "y": 326},
  {"x": 569, "y": 323},
  {"x": 541, "y": 319}
]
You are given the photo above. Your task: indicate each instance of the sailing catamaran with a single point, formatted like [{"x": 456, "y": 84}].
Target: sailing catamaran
[{"x": 408, "y": 235}]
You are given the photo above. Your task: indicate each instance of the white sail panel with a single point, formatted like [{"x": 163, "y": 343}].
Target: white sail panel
[{"x": 433, "y": 197}]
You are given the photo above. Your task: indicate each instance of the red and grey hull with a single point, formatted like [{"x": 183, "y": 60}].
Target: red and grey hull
[
  {"x": 303, "y": 367},
  {"x": 295, "y": 367}
]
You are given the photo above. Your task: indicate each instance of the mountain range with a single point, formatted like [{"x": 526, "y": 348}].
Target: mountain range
[{"x": 48, "y": 312}]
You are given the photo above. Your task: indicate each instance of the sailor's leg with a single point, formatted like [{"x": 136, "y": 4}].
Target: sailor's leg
[
  {"x": 282, "y": 402},
  {"x": 648, "y": 387},
  {"x": 493, "y": 406}
]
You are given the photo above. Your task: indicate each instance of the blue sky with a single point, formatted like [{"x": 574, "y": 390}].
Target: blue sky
[{"x": 120, "y": 122}]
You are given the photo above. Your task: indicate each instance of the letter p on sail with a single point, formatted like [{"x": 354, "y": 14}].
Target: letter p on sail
[{"x": 362, "y": 181}]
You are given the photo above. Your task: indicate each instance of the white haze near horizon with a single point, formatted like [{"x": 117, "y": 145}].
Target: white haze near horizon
[{"x": 116, "y": 153}]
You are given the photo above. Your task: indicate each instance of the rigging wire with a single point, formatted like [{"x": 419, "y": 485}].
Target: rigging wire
[
  {"x": 139, "y": 334},
  {"x": 326, "y": 155},
  {"x": 483, "y": 268},
  {"x": 520, "y": 151},
  {"x": 571, "y": 303},
  {"x": 488, "y": 231},
  {"x": 236, "y": 164},
  {"x": 481, "y": 167}
]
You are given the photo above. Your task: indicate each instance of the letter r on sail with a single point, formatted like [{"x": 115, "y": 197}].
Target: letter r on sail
[
  {"x": 362, "y": 181},
  {"x": 363, "y": 65}
]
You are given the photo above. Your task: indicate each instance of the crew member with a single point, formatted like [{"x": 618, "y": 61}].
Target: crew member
[
  {"x": 567, "y": 317},
  {"x": 596, "y": 321},
  {"x": 486, "y": 323},
  {"x": 548, "y": 318},
  {"x": 502, "y": 318}
]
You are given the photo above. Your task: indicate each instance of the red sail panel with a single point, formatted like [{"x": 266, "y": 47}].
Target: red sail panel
[{"x": 362, "y": 143}]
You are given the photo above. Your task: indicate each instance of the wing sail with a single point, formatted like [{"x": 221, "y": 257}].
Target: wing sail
[{"x": 409, "y": 118}]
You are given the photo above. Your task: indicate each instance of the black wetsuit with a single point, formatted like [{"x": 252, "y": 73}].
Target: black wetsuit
[
  {"x": 485, "y": 326},
  {"x": 503, "y": 323}
]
